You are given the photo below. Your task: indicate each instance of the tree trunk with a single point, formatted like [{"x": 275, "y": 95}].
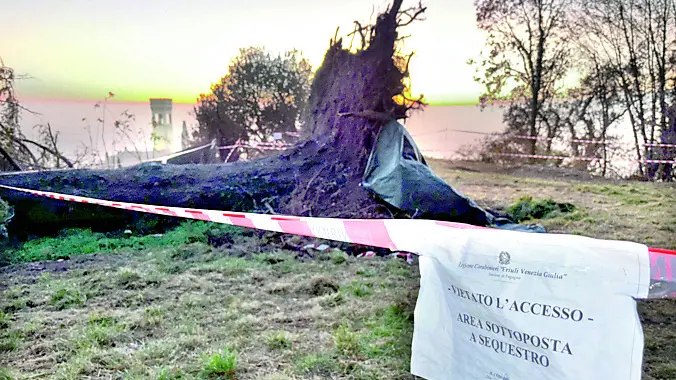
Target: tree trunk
[
  {"x": 319, "y": 177},
  {"x": 9, "y": 161},
  {"x": 536, "y": 84}
]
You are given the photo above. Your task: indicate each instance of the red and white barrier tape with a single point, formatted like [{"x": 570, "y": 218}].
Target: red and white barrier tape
[
  {"x": 581, "y": 141},
  {"x": 658, "y": 161},
  {"x": 370, "y": 232},
  {"x": 547, "y": 157},
  {"x": 257, "y": 146},
  {"x": 660, "y": 145},
  {"x": 384, "y": 233},
  {"x": 576, "y": 158},
  {"x": 584, "y": 141},
  {"x": 272, "y": 144},
  {"x": 404, "y": 255}
]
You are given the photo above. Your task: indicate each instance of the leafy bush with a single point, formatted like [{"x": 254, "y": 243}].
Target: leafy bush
[{"x": 526, "y": 209}]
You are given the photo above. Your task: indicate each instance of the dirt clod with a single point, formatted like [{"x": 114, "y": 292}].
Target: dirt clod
[{"x": 320, "y": 286}]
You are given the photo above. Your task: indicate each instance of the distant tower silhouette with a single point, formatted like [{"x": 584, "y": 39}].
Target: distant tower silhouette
[
  {"x": 163, "y": 127},
  {"x": 185, "y": 136}
]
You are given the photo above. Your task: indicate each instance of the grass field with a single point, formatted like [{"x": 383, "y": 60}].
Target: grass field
[{"x": 184, "y": 306}]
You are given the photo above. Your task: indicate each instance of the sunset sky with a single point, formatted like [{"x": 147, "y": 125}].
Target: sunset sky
[{"x": 82, "y": 49}]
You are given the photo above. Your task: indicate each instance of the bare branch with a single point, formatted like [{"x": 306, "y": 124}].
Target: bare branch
[
  {"x": 412, "y": 14},
  {"x": 359, "y": 29},
  {"x": 9, "y": 159},
  {"x": 408, "y": 61},
  {"x": 54, "y": 153},
  {"x": 403, "y": 37},
  {"x": 371, "y": 115}
]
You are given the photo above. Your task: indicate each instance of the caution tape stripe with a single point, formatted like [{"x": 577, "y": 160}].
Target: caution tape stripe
[
  {"x": 575, "y": 158},
  {"x": 546, "y": 157},
  {"x": 659, "y": 161},
  {"x": 370, "y": 232}
]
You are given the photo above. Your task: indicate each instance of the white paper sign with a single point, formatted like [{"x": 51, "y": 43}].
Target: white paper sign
[{"x": 504, "y": 305}]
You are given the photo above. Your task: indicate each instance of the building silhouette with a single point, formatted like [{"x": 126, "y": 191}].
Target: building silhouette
[{"x": 163, "y": 127}]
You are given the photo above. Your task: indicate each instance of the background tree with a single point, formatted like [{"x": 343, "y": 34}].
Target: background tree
[
  {"x": 527, "y": 59},
  {"x": 259, "y": 95},
  {"x": 15, "y": 148},
  {"x": 623, "y": 52},
  {"x": 635, "y": 40}
]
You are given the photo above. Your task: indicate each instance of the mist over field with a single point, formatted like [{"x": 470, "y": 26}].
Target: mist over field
[{"x": 430, "y": 127}]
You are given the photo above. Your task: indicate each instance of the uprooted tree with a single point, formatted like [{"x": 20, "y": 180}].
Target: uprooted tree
[{"x": 354, "y": 93}]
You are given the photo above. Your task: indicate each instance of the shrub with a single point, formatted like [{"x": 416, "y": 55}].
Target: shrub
[{"x": 526, "y": 209}]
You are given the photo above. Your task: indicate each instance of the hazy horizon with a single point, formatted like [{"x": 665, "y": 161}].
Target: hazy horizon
[
  {"x": 66, "y": 117},
  {"x": 178, "y": 49}
]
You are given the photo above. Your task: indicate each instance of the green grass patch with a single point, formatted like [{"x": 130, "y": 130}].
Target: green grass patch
[
  {"x": 5, "y": 320},
  {"x": 229, "y": 266},
  {"x": 368, "y": 272},
  {"x": 171, "y": 374},
  {"x": 627, "y": 193},
  {"x": 279, "y": 340},
  {"x": 6, "y": 374},
  {"x": 389, "y": 334},
  {"x": 337, "y": 257},
  {"x": 83, "y": 241},
  {"x": 332, "y": 300},
  {"x": 152, "y": 316},
  {"x": 100, "y": 331},
  {"x": 221, "y": 365},
  {"x": 9, "y": 340},
  {"x": 398, "y": 268},
  {"x": 66, "y": 297},
  {"x": 320, "y": 364},
  {"x": 14, "y": 305},
  {"x": 346, "y": 340},
  {"x": 359, "y": 288}
]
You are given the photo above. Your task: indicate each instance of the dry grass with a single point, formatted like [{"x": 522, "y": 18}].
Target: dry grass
[
  {"x": 188, "y": 310},
  {"x": 285, "y": 320},
  {"x": 618, "y": 210}
]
